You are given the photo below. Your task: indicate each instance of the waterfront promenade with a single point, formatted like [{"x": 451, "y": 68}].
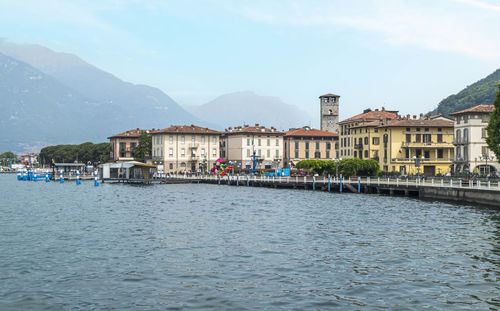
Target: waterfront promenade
[{"x": 450, "y": 189}]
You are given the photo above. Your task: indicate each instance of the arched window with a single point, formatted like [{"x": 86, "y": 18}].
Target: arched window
[
  {"x": 366, "y": 140},
  {"x": 466, "y": 135},
  {"x": 457, "y": 135},
  {"x": 366, "y": 153}
]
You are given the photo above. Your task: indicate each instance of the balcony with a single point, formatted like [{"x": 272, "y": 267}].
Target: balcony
[
  {"x": 460, "y": 141},
  {"x": 424, "y": 160},
  {"x": 429, "y": 144},
  {"x": 193, "y": 145}
]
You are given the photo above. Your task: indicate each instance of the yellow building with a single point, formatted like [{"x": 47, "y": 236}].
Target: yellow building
[
  {"x": 405, "y": 145},
  {"x": 416, "y": 146},
  {"x": 354, "y": 127}
]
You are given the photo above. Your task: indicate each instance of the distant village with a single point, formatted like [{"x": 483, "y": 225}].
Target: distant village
[{"x": 427, "y": 145}]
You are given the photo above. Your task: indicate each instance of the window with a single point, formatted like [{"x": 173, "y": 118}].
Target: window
[
  {"x": 466, "y": 155},
  {"x": 248, "y": 141},
  {"x": 355, "y": 153},
  {"x": 202, "y": 140},
  {"x": 183, "y": 139},
  {"x": 317, "y": 145},
  {"x": 193, "y": 152},
  {"x": 259, "y": 142},
  {"x": 426, "y": 129},
  {"x": 375, "y": 130},
  {"x": 277, "y": 153},
  {"x": 418, "y": 129},
  {"x": 466, "y": 135},
  {"x": 171, "y": 152},
  {"x": 485, "y": 151},
  {"x": 171, "y": 139},
  {"x": 307, "y": 145},
  {"x": 202, "y": 152},
  {"x": 259, "y": 153},
  {"x": 277, "y": 142},
  {"x": 214, "y": 152},
  {"x": 183, "y": 152},
  {"x": 171, "y": 166},
  {"x": 328, "y": 154},
  {"x": 268, "y": 153},
  {"x": 317, "y": 155},
  {"x": 214, "y": 140},
  {"x": 268, "y": 142},
  {"x": 457, "y": 120},
  {"x": 375, "y": 140},
  {"x": 485, "y": 118},
  {"x": 307, "y": 154},
  {"x": 366, "y": 140},
  {"x": 407, "y": 129},
  {"x": 439, "y": 138},
  {"x": 123, "y": 149},
  {"x": 418, "y": 138},
  {"x": 325, "y": 99},
  {"x": 328, "y": 146},
  {"x": 427, "y": 154},
  {"x": 407, "y": 153},
  {"x": 296, "y": 154},
  {"x": 192, "y": 140},
  {"x": 296, "y": 145},
  {"x": 484, "y": 134},
  {"x": 427, "y": 138},
  {"x": 466, "y": 118},
  {"x": 366, "y": 153},
  {"x": 248, "y": 152},
  {"x": 132, "y": 147}
]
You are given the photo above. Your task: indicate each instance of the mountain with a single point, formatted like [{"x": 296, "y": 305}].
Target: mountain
[
  {"x": 247, "y": 107},
  {"x": 103, "y": 96},
  {"x": 145, "y": 106},
  {"x": 36, "y": 109},
  {"x": 480, "y": 93}
]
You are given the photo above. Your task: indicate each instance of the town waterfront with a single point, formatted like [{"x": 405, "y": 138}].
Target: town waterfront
[{"x": 200, "y": 246}]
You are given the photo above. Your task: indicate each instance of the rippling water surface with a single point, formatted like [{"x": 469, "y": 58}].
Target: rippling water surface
[{"x": 209, "y": 247}]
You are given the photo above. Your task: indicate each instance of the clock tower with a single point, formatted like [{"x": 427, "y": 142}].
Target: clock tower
[{"x": 329, "y": 112}]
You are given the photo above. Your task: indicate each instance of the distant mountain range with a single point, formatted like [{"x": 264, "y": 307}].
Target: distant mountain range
[
  {"x": 481, "y": 92},
  {"x": 48, "y": 97},
  {"x": 240, "y": 108}
]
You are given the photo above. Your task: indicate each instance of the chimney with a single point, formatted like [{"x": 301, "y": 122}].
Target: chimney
[
  {"x": 256, "y": 124},
  {"x": 376, "y": 109},
  {"x": 367, "y": 110},
  {"x": 414, "y": 117},
  {"x": 383, "y": 108},
  {"x": 421, "y": 115},
  {"x": 407, "y": 117}
]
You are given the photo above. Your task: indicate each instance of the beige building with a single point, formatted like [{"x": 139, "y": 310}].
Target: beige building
[
  {"x": 239, "y": 144},
  {"x": 185, "y": 148},
  {"x": 471, "y": 151},
  {"x": 352, "y": 127},
  {"x": 307, "y": 143}
]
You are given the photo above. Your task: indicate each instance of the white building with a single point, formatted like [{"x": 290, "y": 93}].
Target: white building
[
  {"x": 471, "y": 151},
  {"x": 185, "y": 148},
  {"x": 238, "y": 145}
]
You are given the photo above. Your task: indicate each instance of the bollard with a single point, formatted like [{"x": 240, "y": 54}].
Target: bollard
[
  {"x": 359, "y": 184},
  {"x": 218, "y": 179},
  {"x": 304, "y": 179},
  {"x": 19, "y": 175},
  {"x": 459, "y": 183},
  {"x": 25, "y": 177},
  {"x": 96, "y": 183},
  {"x": 442, "y": 182},
  {"x": 78, "y": 182},
  {"x": 397, "y": 181},
  {"x": 432, "y": 181},
  {"x": 238, "y": 180},
  {"x": 61, "y": 179},
  {"x": 479, "y": 183},
  {"x": 378, "y": 181},
  {"x": 328, "y": 182},
  {"x": 296, "y": 179},
  {"x": 340, "y": 183},
  {"x": 47, "y": 179},
  {"x": 314, "y": 182},
  {"x": 489, "y": 185},
  {"x": 451, "y": 182},
  {"x": 35, "y": 177}
]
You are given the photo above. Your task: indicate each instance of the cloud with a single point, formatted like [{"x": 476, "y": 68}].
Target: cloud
[{"x": 439, "y": 25}]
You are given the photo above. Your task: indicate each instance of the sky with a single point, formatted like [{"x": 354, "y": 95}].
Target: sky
[{"x": 403, "y": 55}]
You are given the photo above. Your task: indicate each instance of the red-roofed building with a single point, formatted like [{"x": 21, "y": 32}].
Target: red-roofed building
[
  {"x": 122, "y": 145},
  {"x": 308, "y": 143},
  {"x": 185, "y": 148},
  {"x": 239, "y": 143}
]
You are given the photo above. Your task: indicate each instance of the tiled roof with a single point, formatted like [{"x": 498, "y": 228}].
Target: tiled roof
[
  {"x": 368, "y": 124},
  {"x": 329, "y": 95},
  {"x": 257, "y": 129},
  {"x": 418, "y": 122},
  {"x": 478, "y": 108},
  {"x": 135, "y": 133},
  {"x": 309, "y": 132},
  {"x": 187, "y": 129},
  {"x": 373, "y": 115}
]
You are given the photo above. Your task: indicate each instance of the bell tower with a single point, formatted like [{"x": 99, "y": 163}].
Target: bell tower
[{"x": 329, "y": 112}]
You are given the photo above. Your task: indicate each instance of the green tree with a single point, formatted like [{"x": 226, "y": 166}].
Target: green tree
[
  {"x": 493, "y": 128},
  {"x": 144, "y": 149},
  {"x": 6, "y": 157}
]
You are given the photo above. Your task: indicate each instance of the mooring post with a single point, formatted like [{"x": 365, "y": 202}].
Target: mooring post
[
  {"x": 305, "y": 179},
  {"x": 96, "y": 183},
  {"x": 218, "y": 179},
  {"x": 237, "y": 180},
  {"x": 407, "y": 182},
  {"x": 489, "y": 185},
  {"x": 340, "y": 183},
  {"x": 442, "y": 182},
  {"x": 479, "y": 183},
  {"x": 368, "y": 180},
  {"x": 459, "y": 183},
  {"x": 78, "y": 182},
  {"x": 359, "y": 184},
  {"x": 328, "y": 182},
  {"x": 47, "y": 177},
  {"x": 451, "y": 182},
  {"x": 61, "y": 180},
  {"x": 314, "y": 182}
]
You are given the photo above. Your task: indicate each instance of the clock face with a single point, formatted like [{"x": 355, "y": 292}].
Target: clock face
[{"x": 330, "y": 121}]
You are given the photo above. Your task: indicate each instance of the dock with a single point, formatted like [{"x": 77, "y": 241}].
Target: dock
[{"x": 441, "y": 189}]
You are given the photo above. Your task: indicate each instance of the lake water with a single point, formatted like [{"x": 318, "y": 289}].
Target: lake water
[{"x": 209, "y": 247}]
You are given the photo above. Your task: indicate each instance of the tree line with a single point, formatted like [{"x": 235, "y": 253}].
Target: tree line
[
  {"x": 83, "y": 153},
  {"x": 346, "y": 167}
]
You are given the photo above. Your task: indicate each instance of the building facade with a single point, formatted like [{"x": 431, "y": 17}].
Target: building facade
[
  {"x": 122, "y": 145},
  {"x": 416, "y": 146},
  {"x": 329, "y": 113},
  {"x": 307, "y": 143},
  {"x": 185, "y": 148},
  {"x": 239, "y": 144},
  {"x": 353, "y": 127},
  {"x": 472, "y": 154}
]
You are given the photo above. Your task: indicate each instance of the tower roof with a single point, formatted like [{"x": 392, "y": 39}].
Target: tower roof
[{"x": 329, "y": 95}]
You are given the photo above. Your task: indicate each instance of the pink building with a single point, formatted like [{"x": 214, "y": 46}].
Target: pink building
[{"x": 122, "y": 145}]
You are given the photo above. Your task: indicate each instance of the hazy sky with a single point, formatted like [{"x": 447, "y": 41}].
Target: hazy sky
[{"x": 405, "y": 55}]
